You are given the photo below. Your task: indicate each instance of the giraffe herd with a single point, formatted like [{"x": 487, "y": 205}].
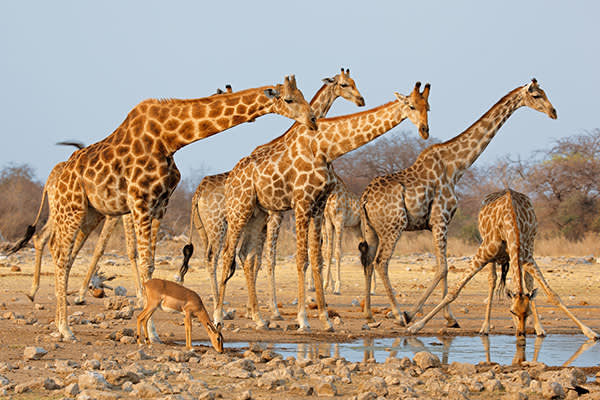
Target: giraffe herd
[{"x": 132, "y": 173}]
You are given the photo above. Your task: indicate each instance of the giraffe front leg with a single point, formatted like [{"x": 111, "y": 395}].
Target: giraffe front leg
[
  {"x": 273, "y": 226},
  {"x": 534, "y": 270},
  {"x": 61, "y": 280},
  {"x": 477, "y": 264},
  {"x": 301, "y": 264},
  {"x": 317, "y": 266},
  {"x": 143, "y": 231},
  {"x": 130, "y": 242},
  {"x": 539, "y": 329},
  {"x": 485, "y": 328}
]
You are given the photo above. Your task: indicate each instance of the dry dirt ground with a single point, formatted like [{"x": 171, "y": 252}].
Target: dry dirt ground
[{"x": 576, "y": 280}]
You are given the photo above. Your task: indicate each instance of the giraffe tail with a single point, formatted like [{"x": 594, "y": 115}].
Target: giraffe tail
[
  {"x": 30, "y": 229},
  {"x": 504, "y": 272},
  {"x": 188, "y": 249},
  {"x": 231, "y": 271}
]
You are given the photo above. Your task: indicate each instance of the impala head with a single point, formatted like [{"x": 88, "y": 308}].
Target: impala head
[
  {"x": 290, "y": 102},
  {"x": 520, "y": 309},
  {"x": 345, "y": 87},
  {"x": 215, "y": 336},
  {"x": 535, "y": 97},
  {"x": 416, "y": 107}
]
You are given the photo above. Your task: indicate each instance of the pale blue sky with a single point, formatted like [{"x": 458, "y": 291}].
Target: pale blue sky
[{"x": 74, "y": 69}]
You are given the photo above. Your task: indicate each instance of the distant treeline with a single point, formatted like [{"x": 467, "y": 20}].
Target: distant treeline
[{"x": 562, "y": 180}]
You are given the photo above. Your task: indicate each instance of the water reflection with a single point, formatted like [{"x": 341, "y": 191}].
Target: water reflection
[{"x": 554, "y": 350}]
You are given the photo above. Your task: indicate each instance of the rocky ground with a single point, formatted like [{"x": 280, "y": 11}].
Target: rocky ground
[{"x": 106, "y": 362}]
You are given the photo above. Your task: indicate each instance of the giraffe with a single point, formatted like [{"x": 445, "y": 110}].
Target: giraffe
[
  {"x": 295, "y": 173},
  {"x": 40, "y": 239},
  {"x": 342, "y": 211},
  {"x": 133, "y": 171},
  {"x": 422, "y": 197},
  {"x": 508, "y": 226},
  {"x": 208, "y": 204}
]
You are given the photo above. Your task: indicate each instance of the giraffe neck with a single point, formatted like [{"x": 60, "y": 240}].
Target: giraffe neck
[
  {"x": 323, "y": 100},
  {"x": 176, "y": 123},
  {"x": 340, "y": 135},
  {"x": 461, "y": 152}
]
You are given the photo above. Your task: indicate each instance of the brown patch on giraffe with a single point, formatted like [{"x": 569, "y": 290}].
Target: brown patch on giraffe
[
  {"x": 172, "y": 124},
  {"x": 187, "y": 130},
  {"x": 215, "y": 112},
  {"x": 199, "y": 111},
  {"x": 241, "y": 109},
  {"x": 154, "y": 127},
  {"x": 207, "y": 126}
]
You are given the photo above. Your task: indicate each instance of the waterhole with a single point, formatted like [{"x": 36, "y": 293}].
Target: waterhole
[{"x": 554, "y": 350}]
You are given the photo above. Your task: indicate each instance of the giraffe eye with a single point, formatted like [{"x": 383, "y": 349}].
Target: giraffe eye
[
  {"x": 344, "y": 85},
  {"x": 412, "y": 107},
  {"x": 289, "y": 101},
  {"x": 536, "y": 96}
]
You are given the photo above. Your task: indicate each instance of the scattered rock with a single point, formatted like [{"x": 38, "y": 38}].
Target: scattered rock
[
  {"x": 34, "y": 353},
  {"x": 92, "y": 380},
  {"x": 326, "y": 389},
  {"x": 425, "y": 359}
]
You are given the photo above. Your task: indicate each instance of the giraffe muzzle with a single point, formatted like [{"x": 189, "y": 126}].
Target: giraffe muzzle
[{"x": 424, "y": 131}]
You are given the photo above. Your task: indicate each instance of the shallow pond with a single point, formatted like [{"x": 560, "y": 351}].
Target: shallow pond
[{"x": 554, "y": 350}]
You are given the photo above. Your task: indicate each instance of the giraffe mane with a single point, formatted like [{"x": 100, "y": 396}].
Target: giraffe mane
[
  {"x": 348, "y": 116},
  {"x": 239, "y": 93}
]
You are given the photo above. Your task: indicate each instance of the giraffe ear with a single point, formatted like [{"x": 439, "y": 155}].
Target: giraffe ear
[
  {"x": 272, "y": 93},
  {"x": 328, "y": 80},
  {"x": 401, "y": 97},
  {"x": 509, "y": 294},
  {"x": 532, "y": 294},
  {"x": 219, "y": 327}
]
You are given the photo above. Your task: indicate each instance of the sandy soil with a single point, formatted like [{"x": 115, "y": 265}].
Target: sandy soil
[{"x": 576, "y": 280}]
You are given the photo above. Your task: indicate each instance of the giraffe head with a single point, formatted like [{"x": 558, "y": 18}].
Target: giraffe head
[
  {"x": 417, "y": 106},
  {"x": 535, "y": 97},
  {"x": 345, "y": 87},
  {"x": 289, "y": 102},
  {"x": 520, "y": 309}
]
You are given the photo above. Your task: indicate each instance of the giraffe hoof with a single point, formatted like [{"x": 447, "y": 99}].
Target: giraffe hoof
[
  {"x": 277, "y": 317},
  {"x": 79, "y": 301},
  {"x": 305, "y": 329},
  {"x": 452, "y": 324}
]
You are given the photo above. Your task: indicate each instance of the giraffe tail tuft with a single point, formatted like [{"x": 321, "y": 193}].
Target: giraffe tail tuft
[
  {"x": 363, "y": 247},
  {"x": 231, "y": 271},
  {"x": 188, "y": 250},
  {"x": 21, "y": 243}
]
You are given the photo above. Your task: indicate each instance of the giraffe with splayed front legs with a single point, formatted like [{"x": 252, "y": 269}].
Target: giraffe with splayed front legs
[
  {"x": 133, "y": 171},
  {"x": 208, "y": 203},
  {"x": 295, "y": 173},
  {"x": 508, "y": 226},
  {"x": 422, "y": 197}
]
